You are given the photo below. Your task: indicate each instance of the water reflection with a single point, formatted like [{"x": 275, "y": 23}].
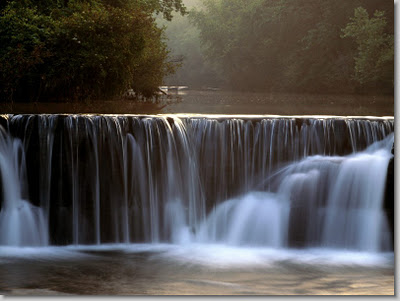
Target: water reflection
[{"x": 223, "y": 102}]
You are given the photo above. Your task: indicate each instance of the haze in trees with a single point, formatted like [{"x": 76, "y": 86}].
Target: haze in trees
[
  {"x": 291, "y": 46},
  {"x": 55, "y": 50}
]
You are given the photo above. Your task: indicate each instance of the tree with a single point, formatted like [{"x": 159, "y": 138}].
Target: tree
[
  {"x": 374, "y": 61},
  {"x": 164, "y": 7},
  {"x": 23, "y": 36},
  {"x": 286, "y": 45},
  {"x": 77, "y": 49},
  {"x": 186, "y": 50}
]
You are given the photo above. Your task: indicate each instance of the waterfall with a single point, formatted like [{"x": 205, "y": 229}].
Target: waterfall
[
  {"x": 354, "y": 216},
  {"x": 255, "y": 219},
  {"x": 269, "y": 181},
  {"x": 329, "y": 201},
  {"x": 21, "y": 223}
]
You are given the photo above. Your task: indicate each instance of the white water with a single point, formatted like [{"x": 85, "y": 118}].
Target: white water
[
  {"x": 214, "y": 256},
  {"x": 21, "y": 223},
  {"x": 348, "y": 214},
  {"x": 125, "y": 179},
  {"x": 256, "y": 219}
]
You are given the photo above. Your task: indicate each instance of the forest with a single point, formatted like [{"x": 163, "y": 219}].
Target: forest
[
  {"x": 73, "y": 50},
  {"x": 82, "y": 49},
  {"x": 313, "y": 46}
]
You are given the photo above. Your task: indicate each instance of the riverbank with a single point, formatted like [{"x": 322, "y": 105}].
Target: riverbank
[{"x": 223, "y": 102}]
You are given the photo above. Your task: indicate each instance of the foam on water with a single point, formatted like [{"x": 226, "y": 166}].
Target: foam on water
[
  {"x": 257, "y": 218},
  {"x": 216, "y": 256},
  {"x": 222, "y": 256}
]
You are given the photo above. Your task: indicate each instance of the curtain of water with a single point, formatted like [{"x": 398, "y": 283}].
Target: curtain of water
[
  {"x": 178, "y": 179},
  {"x": 21, "y": 223}
]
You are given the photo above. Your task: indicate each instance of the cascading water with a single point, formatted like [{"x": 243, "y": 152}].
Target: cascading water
[
  {"x": 21, "y": 223},
  {"x": 248, "y": 181},
  {"x": 330, "y": 201},
  {"x": 255, "y": 219}
]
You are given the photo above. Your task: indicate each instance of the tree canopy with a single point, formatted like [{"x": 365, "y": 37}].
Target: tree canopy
[
  {"x": 374, "y": 61},
  {"x": 318, "y": 46},
  {"x": 82, "y": 49},
  {"x": 97, "y": 49}
]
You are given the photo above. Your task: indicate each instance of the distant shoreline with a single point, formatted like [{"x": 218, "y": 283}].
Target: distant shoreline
[{"x": 222, "y": 102}]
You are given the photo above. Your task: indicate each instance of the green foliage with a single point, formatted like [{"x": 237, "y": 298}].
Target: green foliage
[
  {"x": 374, "y": 60},
  {"x": 77, "y": 49},
  {"x": 230, "y": 31},
  {"x": 23, "y": 36},
  {"x": 164, "y": 7},
  {"x": 98, "y": 50},
  {"x": 186, "y": 50},
  {"x": 288, "y": 45},
  {"x": 152, "y": 66}
]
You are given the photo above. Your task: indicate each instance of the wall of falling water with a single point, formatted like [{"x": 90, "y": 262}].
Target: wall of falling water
[
  {"x": 21, "y": 223},
  {"x": 101, "y": 179}
]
